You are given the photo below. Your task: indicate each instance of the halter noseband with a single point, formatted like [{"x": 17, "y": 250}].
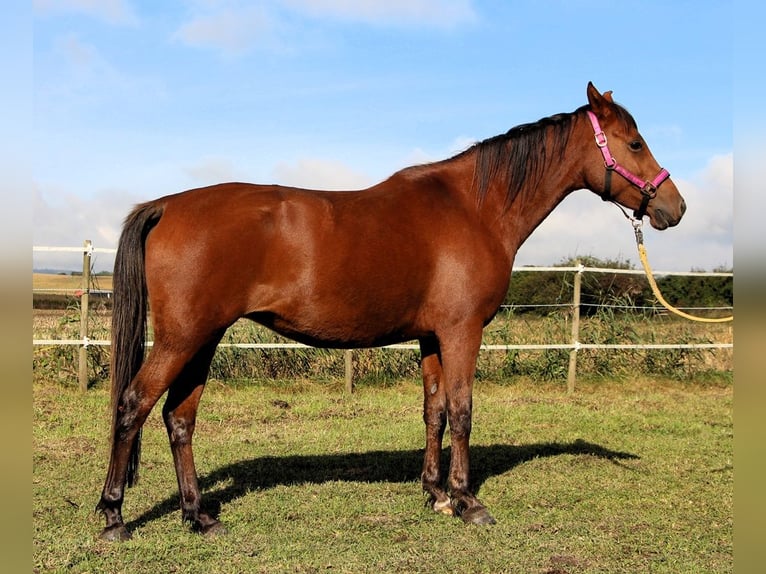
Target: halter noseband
[{"x": 648, "y": 188}]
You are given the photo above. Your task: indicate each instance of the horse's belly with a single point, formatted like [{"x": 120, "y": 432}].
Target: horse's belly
[{"x": 340, "y": 322}]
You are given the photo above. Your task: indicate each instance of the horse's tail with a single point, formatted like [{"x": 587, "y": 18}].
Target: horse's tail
[{"x": 129, "y": 313}]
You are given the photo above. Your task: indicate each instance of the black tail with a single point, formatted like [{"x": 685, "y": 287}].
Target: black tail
[{"x": 129, "y": 314}]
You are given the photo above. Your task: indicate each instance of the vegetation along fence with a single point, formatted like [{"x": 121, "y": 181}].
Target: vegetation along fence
[{"x": 612, "y": 286}]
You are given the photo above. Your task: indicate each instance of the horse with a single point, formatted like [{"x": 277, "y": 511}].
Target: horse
[{"x": 425, "y": 255}]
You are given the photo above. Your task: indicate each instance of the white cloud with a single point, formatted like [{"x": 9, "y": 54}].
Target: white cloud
[
  {"x": 211, "y": 170},
  {"x": 750, "y": 204},
  {"x": 78, "y": 54},
  {"x": 79, "y": 76},
  {"x": 62, "y": 219},
  {"x": 425, "y": 13},
  {"x": 420, "y": 156},
  {"x": 460, "y": 144},
  {"x": 710, "y": 199},
  {"x": 111, "y": 11},
  {"x": 233, "y": 29},
  {"x": 320, "y": 174}
]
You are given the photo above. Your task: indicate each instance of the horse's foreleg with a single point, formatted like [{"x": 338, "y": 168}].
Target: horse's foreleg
[
  {"x": 435, "y": 418},
  {"x": 180, "y": 414},
  {"x": 459, "y": 362}
]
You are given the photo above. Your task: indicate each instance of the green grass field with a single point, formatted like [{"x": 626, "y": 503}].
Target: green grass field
[{"x": 630, "y": 476}]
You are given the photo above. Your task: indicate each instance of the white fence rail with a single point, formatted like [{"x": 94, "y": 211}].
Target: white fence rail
[{"x": 573, "y": 346}]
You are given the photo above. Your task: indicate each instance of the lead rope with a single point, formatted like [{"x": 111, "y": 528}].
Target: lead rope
[
  {"x": 653, "y": 284},
  {"x": 637, "y": 224}
]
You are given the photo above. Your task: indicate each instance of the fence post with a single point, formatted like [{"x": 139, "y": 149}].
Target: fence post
[
  {"x": 572, "y": 373},
  {"x": 349, "y": 360},
  {"x": 83, "y": 359}
]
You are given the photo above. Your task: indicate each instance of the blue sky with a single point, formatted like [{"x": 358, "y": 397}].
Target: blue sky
[{"x": 138, "y": 99}]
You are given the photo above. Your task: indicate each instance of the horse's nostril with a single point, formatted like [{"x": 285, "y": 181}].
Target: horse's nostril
[{"x": 683, "y": 206}]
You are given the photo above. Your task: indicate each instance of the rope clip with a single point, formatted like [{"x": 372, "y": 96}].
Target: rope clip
[{"x": 637, "y": 224}]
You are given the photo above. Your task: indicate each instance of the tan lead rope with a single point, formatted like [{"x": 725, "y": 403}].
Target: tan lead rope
[{"x": 656, "y": 290}]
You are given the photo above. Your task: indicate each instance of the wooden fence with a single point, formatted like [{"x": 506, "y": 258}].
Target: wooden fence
[{"x": 574, "y": 345}]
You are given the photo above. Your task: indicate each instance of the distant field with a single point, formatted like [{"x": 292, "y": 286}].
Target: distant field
[{"x": 68, "y": 282}]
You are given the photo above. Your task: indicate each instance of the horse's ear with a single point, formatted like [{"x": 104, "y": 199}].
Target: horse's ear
[{"x": 599, "y": 104}]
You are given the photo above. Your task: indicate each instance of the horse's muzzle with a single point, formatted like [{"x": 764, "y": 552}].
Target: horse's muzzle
[{"x": 661, "y": 218}]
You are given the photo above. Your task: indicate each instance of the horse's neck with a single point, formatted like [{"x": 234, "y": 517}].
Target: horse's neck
[
  {"x": 513, "y": 223},
  {"x": 527, "y": 212}
]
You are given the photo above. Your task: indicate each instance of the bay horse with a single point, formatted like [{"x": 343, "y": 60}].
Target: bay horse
[{"x": 425, "y": 255}]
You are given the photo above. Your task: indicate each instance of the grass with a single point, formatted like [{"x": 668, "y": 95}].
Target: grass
[{"x": 632, "y": 476}]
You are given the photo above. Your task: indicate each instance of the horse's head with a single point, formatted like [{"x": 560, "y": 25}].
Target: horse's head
[{"x": 623, "y": 169}]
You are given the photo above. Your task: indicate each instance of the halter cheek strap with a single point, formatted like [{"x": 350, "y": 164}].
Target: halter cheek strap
[{"x": 648, "y": 188}]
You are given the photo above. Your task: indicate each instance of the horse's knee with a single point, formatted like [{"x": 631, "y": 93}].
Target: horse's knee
[
  {"x": 435, "y": 416},
  {"x": 435, "y": 419},
  {"x": 460, "y": 422}
]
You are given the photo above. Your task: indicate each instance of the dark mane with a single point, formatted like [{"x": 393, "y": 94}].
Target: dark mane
[{"x": 521, "y": 155}]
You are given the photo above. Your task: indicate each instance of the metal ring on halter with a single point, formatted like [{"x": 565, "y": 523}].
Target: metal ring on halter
[{"x": 649, "y": 190}]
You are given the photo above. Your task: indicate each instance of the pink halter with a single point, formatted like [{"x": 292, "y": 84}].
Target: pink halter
[{"x": 648, "y": 188}]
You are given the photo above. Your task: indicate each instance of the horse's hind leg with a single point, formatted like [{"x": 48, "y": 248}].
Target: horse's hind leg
[
  {"x": 152, "y": 380},
  {"x": 180, "y": 413}
]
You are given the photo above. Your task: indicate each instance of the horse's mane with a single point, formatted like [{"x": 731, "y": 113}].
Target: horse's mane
[{"x": 522, "y": 154}]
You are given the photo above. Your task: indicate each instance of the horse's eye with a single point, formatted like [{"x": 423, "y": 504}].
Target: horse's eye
[{"x": 636, "y": 145}]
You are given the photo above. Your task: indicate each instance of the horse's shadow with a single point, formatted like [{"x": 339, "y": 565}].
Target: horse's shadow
[{"x": 374, "y": 466}]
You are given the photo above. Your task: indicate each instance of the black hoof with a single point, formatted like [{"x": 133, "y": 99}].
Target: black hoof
[
  {"x": 477, "y": 515},
  {"x": 116, "y": 533}
]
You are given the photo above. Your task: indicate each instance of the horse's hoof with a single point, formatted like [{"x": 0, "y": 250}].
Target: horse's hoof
[
  {"x": 214, "y": 529},
  {"x": 477, "y": 515},
  {"x": 444, "y": 507},
  {"x": 116, "y": 533}
]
